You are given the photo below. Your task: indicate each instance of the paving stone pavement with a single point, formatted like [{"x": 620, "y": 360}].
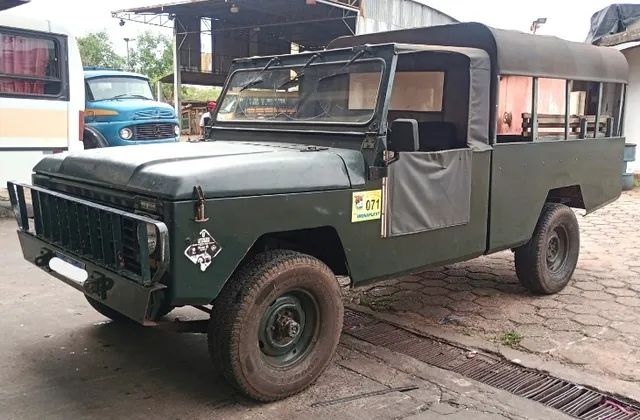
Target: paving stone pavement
[
  {"x": 592, "y": 323},
  {"x": 63, "y": 360}
]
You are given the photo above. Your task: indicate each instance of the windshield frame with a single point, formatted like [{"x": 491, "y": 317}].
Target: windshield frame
[
  {"x": 380, "y": 100},
  {"x": 91, "y": 97}
]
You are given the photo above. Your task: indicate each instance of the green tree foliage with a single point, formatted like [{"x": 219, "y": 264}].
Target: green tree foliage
[
  {"x": 96, "y": 49},
  {"x": 152, "y": 55},
  {"x": 200, "y": 93}
]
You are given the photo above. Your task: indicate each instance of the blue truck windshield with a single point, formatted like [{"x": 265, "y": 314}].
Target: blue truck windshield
[
  {"x": 322, "y": 92},
  {"x": 106, "y": 88}
]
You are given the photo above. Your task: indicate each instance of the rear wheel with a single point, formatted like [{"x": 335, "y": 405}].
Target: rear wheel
[
  {"x": 117, "y": 316},
  {"x": 276, "y": 324},
  {"x": 546, "y": 263}
]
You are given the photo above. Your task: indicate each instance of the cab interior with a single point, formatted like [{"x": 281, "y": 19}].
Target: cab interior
[{"x": 431, "y": 88}]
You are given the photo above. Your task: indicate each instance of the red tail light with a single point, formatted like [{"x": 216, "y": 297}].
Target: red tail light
[{"x": 81, "y": 125}]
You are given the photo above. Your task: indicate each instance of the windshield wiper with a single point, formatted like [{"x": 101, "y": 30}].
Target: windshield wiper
[
  {"x": 299, "y": 76},
  {"x": 140, "y": 96},
  {"x": 257, "y": 79},
  {"x": 362, "y": 51},
  {"x": 359, "y": 53},
  {"x": 122, "y": 95},
  {"x": 125, "y": 95}
]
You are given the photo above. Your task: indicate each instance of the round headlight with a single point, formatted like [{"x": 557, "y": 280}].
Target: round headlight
[
  {"x": 126, "y": 133},
  {"x": 152, "y": 238},
  {"x": 176, "y": 129}
]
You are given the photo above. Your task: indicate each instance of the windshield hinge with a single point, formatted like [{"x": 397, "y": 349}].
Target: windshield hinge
[
  {"x": 378, "y": 172},
  {"x": 200, "y": 216}
]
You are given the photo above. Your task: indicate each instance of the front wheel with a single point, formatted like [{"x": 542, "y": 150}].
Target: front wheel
[
  {"x": 546, "y": 263},
  {"x": 276, "y": 324}
]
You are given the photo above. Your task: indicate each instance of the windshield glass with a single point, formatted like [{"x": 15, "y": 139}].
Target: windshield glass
[
  {"x": 332, "y": 92},
  {"x": 104, "y": 88}
]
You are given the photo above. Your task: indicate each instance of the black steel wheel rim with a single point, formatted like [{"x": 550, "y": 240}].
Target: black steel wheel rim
[
  {"x": 557, "y": 249},
  {"x": 288, "y": 327}
]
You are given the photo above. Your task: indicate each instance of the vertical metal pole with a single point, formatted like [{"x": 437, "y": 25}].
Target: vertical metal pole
[
  {"x": 567, "y": 108},
  {"x": 623, "y": 94},
  {"x": 596, "y": 128},
  {"x": 177, "y": 76},
  {"x": 534, "y": 110},
  {"x": 126, "y": 40}
]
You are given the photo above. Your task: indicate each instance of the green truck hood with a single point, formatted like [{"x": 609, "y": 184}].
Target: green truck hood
[{"x": 221, "y": 168}]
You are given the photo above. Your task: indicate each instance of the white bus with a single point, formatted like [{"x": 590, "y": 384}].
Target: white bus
[{"x": 41, "y": 94}]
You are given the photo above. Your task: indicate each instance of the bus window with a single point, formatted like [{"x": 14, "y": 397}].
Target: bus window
[{"x": 29, "y": 66}]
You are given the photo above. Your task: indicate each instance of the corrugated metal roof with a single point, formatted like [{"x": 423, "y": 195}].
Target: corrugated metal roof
[{"x": 378, "y": 16}]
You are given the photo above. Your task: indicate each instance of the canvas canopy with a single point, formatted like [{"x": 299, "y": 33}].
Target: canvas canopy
[{"x": 513, "y": 52}]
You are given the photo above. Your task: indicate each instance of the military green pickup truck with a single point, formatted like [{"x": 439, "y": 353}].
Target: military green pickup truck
[{"x": 381, "y": 155}]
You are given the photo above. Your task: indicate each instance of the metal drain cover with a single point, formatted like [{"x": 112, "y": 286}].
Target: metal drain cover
[{"x": 572, "y": 399}]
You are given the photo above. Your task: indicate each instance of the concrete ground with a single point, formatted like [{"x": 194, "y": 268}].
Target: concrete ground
[
  {"x": 591, "y": 325},
  {"x": 59, "y": 359}
]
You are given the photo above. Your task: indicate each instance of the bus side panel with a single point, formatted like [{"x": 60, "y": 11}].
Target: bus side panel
[
  {"x": 31, "y": 125},
  {"x": 522, "y": 175},
  {"x": 76, "y": 97}
]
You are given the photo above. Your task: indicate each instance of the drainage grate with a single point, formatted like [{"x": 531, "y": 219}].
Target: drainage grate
[{"x": 574, "y": 400}]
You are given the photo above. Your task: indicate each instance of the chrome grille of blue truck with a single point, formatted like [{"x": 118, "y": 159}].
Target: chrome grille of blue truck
[{"x": 153, "y": 131}]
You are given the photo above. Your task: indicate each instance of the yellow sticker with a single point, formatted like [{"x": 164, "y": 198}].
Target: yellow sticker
[{"x": 366, "y": 205}]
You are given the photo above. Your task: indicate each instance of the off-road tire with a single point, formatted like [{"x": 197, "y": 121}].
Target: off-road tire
[
  {"x": 531, "y": 260},
  {"x": 116, "y": 316},
  {"x": 236, "y": 318}
]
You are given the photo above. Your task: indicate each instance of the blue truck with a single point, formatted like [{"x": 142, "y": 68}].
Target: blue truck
[{"x": 120, "y": 110}]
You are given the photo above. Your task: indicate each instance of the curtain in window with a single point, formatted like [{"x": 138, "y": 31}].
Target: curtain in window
[{"x": 23, "y": 56}]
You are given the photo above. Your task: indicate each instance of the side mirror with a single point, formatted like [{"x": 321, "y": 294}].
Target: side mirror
[{"x": 403, "y": 136}]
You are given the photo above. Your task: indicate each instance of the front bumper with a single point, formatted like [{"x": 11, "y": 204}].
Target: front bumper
[{"x": 54, "y": 232}]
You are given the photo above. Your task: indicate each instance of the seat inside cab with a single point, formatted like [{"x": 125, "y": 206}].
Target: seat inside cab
[{"x": 432, "y": 88}]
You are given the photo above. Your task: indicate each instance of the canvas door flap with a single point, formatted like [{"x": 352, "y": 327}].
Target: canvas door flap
[{"x": 429, "y": 190}]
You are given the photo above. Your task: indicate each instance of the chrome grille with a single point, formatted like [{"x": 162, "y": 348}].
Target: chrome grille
[
  {"x": 153, "y": 131},
  {"x": 149, "y": 114},
  {"x": 108, "y": 237}
]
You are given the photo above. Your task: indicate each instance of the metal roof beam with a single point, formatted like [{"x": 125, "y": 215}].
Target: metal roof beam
[{"x": 163, "y": 20}]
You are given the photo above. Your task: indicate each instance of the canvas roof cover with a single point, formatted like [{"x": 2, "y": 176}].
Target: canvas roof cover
[{"x": 513, "y": 52}]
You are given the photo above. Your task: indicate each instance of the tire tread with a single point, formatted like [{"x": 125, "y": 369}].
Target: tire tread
[
  {"x": 528, "y": 256},
  {"x": 232, "y": 304}
]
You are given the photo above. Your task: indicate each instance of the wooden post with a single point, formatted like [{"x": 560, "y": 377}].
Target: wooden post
[
  {"x": 609, "y": 127},
  {"x": 583, "y": 128}
]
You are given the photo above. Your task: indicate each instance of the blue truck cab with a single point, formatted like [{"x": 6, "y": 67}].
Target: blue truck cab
[{"x": 120, "y": 110}]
